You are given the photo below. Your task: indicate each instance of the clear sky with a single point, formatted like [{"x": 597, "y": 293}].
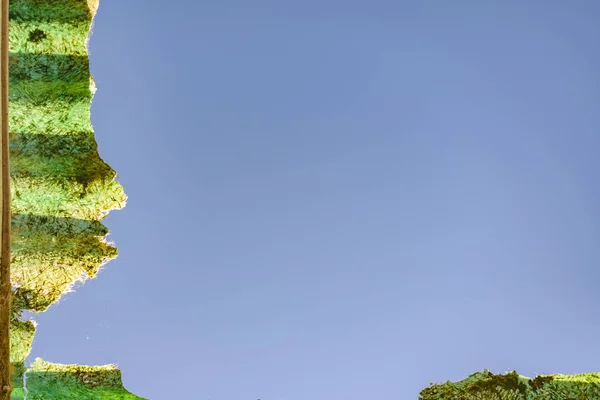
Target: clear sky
[{"x": 342, "y": 200}]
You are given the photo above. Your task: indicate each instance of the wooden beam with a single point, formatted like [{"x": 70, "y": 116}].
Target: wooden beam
[{"x": 5, "y": 285}]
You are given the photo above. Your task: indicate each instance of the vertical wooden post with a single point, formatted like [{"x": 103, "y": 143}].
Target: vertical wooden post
[{"x": 5, "y": 285}]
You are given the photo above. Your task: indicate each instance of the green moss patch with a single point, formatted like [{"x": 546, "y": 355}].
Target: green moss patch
[
  {"x": 60, "y": 187},
  {"x": 21, "y": 336},
  {"x": 68, "y": 11},
  {"x": 512, "y": 386},
  {"x": 49, "y": 37},
  {"x": 58, "y": 250},
  {"x": 47, "y": 381}
]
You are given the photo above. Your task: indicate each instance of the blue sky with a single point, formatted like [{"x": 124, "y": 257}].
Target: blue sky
[{"x": 342, "y": 200}]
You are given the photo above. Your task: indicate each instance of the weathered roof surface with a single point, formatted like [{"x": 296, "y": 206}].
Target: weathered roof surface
[
  {"x": 512, "y": 386},
  {"x": 60, "y": 187}
]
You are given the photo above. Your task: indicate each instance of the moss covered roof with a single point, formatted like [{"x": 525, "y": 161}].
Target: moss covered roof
[
  {"x": 512, "y": 386},
  {"x": 60, "y": 187}
]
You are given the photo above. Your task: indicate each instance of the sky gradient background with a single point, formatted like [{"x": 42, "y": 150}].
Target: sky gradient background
[{"x": 340, "y": 200}]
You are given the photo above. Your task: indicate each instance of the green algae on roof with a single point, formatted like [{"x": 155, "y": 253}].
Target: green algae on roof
[
  {"x": 512, "y": 386},
  {"x": 60, "y": 187}
]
